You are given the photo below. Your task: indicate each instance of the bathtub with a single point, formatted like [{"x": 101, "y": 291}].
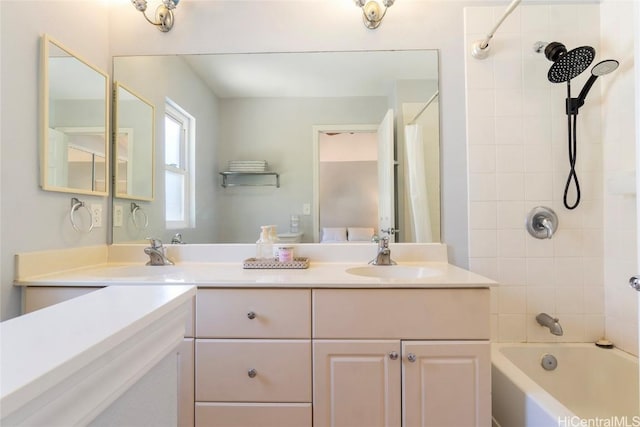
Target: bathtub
[{"x": 589, "y": 384}]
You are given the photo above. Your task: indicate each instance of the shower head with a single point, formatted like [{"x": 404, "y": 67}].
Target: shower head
[
  {"x": 567, "y": 65},
  {"x": 600, "y": 69},
  {"x": 604, "y": 67}
]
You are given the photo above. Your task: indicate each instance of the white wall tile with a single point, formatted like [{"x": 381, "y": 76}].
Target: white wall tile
[
  {"x": 508, "y": 102},
  {"x": 509, "y": 186},
  {"x": 482, "y": 186},
  {"x": 482, "y": 215},
  {"x": 512, "y": 299},
  {"x": 523, "y": 117},
  {"x": 512, "y": 271},
  {"x": 511, "y": 243},
  {"x": 509, "y": 158},
  {"x": 512, "y": 328},
  {"x": 482, "y": 158},
  {"x": 509, "y": 130},
  {"x": 511, "y": 214},
  {"x": 483, "y": 243},
  {"x": 538, "y": 186}
]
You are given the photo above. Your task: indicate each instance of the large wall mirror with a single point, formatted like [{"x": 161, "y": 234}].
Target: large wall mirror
[
  {"x": 214, "y": 113},
  {"x": 133, "y": 152},
  {"x": 75, "y": 123}
]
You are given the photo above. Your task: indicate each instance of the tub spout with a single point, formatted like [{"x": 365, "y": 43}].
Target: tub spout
[{"x": 552, "y": 323}]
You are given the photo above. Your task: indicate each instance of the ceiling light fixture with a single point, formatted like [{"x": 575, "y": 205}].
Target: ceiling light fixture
[
  {"x": 372, "y": 13},
  {"x": 164, "y": 13}
]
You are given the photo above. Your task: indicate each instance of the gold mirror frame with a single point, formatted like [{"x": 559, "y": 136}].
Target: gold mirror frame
[{"x": 50, "y": 155}]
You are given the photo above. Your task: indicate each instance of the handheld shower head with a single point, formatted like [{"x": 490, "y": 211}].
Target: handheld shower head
[{"x": 600, "y": 69}]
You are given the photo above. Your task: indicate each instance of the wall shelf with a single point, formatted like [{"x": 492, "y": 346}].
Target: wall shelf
[{"x": 228, "y": 179}]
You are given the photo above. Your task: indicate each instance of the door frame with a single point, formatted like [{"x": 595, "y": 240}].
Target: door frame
[{"x": 317, "y": 129}]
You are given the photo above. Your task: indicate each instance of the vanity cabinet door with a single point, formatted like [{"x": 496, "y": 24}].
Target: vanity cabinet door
[
  {"x": 186, "y": 382},
  {"x": 446, "y": 383},
  {"x": 356, "y": 383}
]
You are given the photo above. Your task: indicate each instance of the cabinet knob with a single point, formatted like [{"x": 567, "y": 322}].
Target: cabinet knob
[
  {"x": 393, "y": 355},
  {"x": 251, "y": 315},
  {"x": 411, "y": 357},
  {"x": 252, "y": 373}
]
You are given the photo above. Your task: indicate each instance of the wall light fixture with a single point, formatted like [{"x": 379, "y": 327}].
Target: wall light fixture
[
  {"x": 164, "y": 13},
  {"x": 372, "y": 13}
]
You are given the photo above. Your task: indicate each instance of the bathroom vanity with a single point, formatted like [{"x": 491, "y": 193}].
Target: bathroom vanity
[{"x": 339, "y": 343}]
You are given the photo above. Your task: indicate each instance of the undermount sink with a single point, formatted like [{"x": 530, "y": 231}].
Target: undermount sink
[{"x": 394, "y": 271}]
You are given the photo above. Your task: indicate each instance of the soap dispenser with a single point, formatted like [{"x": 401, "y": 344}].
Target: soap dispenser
[{"x": 264, "y": 245}]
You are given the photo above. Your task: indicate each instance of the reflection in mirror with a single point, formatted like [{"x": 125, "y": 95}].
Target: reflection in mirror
[
  {"x": 133, "y": 145},
  {"x": 266, "y": 107},
  {"x": 74, "y": 141}
]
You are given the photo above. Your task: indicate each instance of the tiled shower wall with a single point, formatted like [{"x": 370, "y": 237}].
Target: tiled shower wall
[
  {"x": 518, "y": 159},
  {"x": 619, "y": 139}
]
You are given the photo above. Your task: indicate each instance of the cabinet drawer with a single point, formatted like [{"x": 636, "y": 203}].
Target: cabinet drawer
[
  {"x": 253, "y": 313},
  {"x": 401, "y": 313},
  {"x": 282, "y": 370},
  {"x": 253, "y": 414}
]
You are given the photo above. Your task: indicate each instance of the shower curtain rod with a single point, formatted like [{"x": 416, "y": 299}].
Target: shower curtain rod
[
  {"x": 424, "y": 108},
  {"x": 480, "y": 48}
]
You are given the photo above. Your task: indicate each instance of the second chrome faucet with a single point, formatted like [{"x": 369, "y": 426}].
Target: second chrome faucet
[{"x": 383, "y": 255}]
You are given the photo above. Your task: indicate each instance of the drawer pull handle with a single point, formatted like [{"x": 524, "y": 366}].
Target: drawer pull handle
[
  {"x": 411, "y": 357},
  {"x": 251, "y": 315},
  {"x": 252, "y": 373},
  {"x": 393, "y": 355}
]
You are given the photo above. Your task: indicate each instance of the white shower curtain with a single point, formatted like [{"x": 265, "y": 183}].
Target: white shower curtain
[{"x": 416, "y": 185}]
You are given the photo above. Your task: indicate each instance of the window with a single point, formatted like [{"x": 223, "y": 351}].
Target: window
[{"x": 179, "y": 169}]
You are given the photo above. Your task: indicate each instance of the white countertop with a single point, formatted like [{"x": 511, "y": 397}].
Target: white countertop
[
  {"x": 318, "y": 275},
  {"x": 44, "y": 349}
]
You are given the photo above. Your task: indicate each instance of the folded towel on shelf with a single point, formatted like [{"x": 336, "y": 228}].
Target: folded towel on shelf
[
  {"x": 247, "y": 165},
  {"x": 360, "y": 234}
]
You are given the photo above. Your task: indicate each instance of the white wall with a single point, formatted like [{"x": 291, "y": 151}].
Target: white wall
[
  {"x": 173, "y": 78},
  {"x": 33, "y": 219},
  {"x": 517, "y": 141}
]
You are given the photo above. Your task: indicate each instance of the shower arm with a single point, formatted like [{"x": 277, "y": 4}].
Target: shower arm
[{"x": 480, "y": 49}]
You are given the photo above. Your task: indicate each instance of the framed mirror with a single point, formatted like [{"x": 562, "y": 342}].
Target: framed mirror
[
  {"x": 265, "y": 107},
  {"x": 134, "y": 145},
  {"x": 74, "y": 154}
]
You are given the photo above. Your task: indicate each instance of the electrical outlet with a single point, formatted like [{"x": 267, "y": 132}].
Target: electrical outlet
[
  {"x": 118, "y": 215},
  {"x": 96, "y": 213},
  {"x": 306, "y": 209}
]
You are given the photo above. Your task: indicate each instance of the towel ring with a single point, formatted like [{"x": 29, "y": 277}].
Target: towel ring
[
  {"x": 135, "y": 209},
  {"x": 75, "y": 206}
]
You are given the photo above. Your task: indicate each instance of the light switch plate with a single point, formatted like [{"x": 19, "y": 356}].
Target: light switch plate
[
  {"x": 118, "y": 214},
  {"x": 306, "y": 209}
]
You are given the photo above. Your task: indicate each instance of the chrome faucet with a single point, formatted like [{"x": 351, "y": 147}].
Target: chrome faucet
[
  {"x": 552, "y": 323},
  {"x": 383, "y": 256},
  {"x": 156, "y": 252},
  {"x": 177, "y": 239}
]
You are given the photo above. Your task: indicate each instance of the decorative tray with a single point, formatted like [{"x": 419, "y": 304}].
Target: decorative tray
[{"x": 272, "y": 263}]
